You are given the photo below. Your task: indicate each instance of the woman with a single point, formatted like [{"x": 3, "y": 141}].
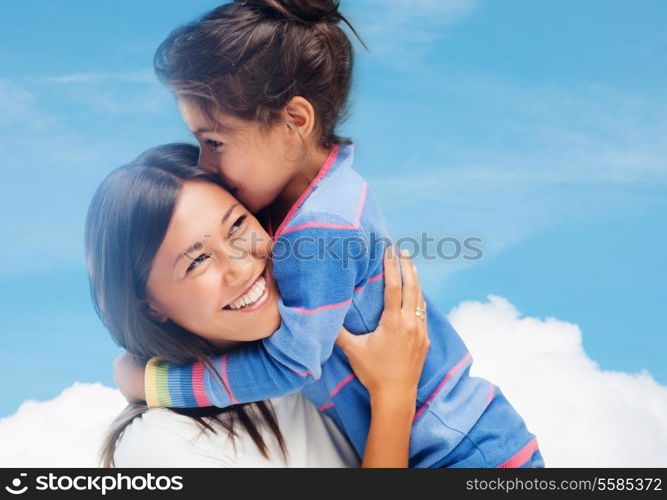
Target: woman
[{"x": 144, "y": 236}]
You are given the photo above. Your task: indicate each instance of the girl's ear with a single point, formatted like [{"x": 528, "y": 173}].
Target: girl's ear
[
  {"x": 155, "y": 312},
  {"x": 299, "y": 115}
]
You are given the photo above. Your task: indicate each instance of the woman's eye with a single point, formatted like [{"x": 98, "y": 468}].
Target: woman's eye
[
  {"x": 196, "y": 263},
  {"x": 238, "y": 224},
  {"x": 213, "y": 144}
]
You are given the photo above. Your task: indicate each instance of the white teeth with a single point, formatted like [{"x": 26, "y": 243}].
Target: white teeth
[{"x": 255, "y": 292}]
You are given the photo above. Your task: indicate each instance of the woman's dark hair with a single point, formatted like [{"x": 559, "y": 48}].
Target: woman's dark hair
[
  {"x": 249, "y": 58},
  {"x": 126, "y": 223}
]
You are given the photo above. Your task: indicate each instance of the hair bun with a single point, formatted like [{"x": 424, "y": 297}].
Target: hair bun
[{"x": 302, "y": 11}]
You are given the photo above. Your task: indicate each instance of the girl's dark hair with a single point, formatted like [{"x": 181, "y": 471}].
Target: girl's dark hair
[
  {"x": 126, "y": 223},
  {"x": 249, "y": 58}
]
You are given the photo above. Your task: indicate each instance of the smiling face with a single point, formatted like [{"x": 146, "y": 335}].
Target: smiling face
[
  {"x": 212, "y": 272},
  {"x": 251, "y": 160}
]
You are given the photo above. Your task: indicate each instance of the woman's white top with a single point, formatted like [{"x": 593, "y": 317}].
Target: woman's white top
[{"x": 162, "y": 438}]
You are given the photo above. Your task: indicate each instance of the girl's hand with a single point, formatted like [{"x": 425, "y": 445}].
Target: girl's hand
[{"x": 389, "y": 361}]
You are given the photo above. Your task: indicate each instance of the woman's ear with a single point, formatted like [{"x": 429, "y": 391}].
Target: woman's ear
[
  {"x": 155, "y": 312},
  {"x": 299, "y": 115}
]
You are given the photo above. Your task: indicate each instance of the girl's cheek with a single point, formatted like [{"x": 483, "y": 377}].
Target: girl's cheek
[{"x": 257, "y": 191}]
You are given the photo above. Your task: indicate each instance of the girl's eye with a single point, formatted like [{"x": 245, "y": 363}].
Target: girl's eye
[
  {"x": 238, "y": 224},
  {"x": 213, "y": 144},
  {"x": 197, "y": 262}
]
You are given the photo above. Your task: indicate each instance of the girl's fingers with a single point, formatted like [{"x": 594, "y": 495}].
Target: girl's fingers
[
  {"x": 411, "y": 293},
  {"x": 392, "y": 283}
]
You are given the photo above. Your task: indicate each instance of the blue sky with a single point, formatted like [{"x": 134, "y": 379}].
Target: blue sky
[{"x": 537, "y": 126}]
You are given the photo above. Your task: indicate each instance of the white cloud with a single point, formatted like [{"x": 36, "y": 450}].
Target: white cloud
[
  {"x": 583, "y": 416},
  {"x": 64, "y": 432}
]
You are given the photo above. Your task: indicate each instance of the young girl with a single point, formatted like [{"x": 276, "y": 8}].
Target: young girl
[{"x": 262, "y": 84}]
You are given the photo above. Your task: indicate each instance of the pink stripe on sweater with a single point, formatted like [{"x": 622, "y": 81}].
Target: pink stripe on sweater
[
  {"x": 198, "y": 385},
  {"x": 342, "y": 384},
  {"x": 302, "y": 374},
  {"x": 456, "y": 368},
  {"x": 328, "y": 163},
  {"x": 330, "y": 225},
  {"x": 362, "y": 202},
  {"x": 303, "y": 310},
  {"x": 325, "y": 225},
  {"x": 521, "y": 457},
  {"x": 325, "y": 407},
  {"x": 370, "y": 280},
  {"x": 376, "y": 277},
  {"x": 225, "y": 380},
  {"x": 492, "y": 393}
]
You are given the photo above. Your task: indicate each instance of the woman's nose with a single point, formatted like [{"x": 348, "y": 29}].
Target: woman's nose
[{"x": 237, "y": 269}]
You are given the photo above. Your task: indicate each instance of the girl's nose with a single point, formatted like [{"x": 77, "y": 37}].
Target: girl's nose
[{"x": 202, "y": 161}]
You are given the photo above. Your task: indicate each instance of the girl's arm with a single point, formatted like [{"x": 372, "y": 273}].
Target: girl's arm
[{"x": 389, "y": 364}]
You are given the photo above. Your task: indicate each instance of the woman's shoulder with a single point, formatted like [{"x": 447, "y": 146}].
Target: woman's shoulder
[{"x": 162, "y": 438}]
